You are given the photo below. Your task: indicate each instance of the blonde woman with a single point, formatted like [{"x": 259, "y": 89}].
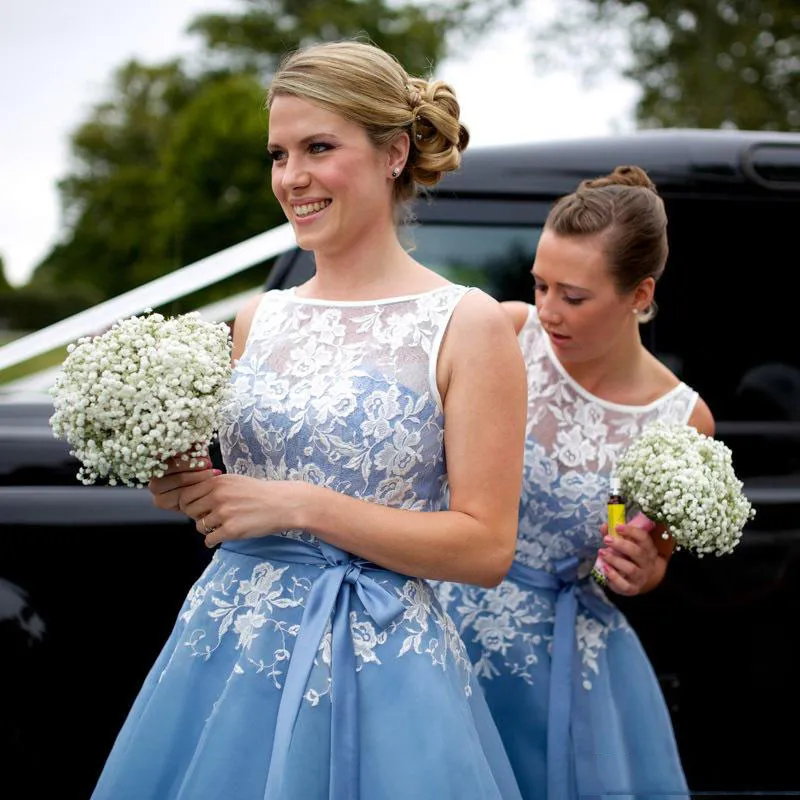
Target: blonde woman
[{"x": 311, "y": 660}]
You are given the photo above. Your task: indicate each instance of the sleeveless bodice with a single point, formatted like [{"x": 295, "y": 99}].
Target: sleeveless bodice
[
  {"x": 573, "y": 440},
  {"x": 343, "y": 395}
]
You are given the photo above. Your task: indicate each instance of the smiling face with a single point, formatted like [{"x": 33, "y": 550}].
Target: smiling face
[
  {"x": 333, "y": 184},
  {"x": 578, "y": 302}
]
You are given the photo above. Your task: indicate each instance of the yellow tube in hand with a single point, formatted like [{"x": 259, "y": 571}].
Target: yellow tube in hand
[{"x": 616, "y": 507}]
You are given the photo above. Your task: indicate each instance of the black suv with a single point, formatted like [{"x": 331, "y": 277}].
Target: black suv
[{"x": 80, "y": 623}]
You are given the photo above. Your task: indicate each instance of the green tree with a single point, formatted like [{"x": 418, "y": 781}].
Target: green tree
[
  {"x": 113, "y": 200},
  {"x": 216, "y": 170},
  {"x": 731, "y": 63},
  {"x": 6, "y": 292},
  {"x": 167, "y": 171},
  {"x": 419, "y": 33},
  {"x": 172, "y": 166}
]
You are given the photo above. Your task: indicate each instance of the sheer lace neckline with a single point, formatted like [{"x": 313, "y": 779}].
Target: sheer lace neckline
[{"x": 585, "y": 393}]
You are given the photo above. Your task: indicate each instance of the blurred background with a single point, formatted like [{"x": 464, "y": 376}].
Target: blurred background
[{"x": 133, "y": 135}]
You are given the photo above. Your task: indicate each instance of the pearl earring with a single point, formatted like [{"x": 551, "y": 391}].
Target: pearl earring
[{"x": 395, "y": 172}]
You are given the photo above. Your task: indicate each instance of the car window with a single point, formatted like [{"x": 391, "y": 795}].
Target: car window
[
  {"x": 495, "y": 258},
  {"x": 727, "y": 315},
  {"x": 727, "y": 324}
]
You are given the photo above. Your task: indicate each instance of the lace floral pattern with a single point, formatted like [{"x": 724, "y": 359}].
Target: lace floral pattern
[
  {"x": 342, "y": 395},
  {"x": 509, "y": 630},
  {"x": 573, "y": 441},
  {"x": 261, "y": 612}
]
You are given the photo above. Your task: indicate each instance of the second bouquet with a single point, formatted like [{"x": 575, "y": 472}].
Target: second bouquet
[{"x": 683, "y": 479}]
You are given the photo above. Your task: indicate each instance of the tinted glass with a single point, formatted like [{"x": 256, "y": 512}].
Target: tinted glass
[
  {"x": 727, "y": 325},
  {"x": 495, "y": 258}
]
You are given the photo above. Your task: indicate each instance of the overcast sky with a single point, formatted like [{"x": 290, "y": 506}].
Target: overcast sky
[{"x": 57, "y": 56}]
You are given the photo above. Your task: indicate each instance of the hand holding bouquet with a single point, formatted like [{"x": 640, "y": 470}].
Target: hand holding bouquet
[
  {"x": 684, "y": 480},
  {"x": 148, "y": 389}
]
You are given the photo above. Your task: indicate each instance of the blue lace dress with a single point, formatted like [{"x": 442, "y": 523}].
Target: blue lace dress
[
  {"x": 574, "y": 696},
  {"x": 296, "y": 671}
]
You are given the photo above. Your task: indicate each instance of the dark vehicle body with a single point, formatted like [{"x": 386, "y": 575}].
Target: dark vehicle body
[{"x": 91, "y": 578}]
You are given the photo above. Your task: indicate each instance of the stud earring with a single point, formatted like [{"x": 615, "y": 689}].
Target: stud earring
[{"x": 395, "y": 172}]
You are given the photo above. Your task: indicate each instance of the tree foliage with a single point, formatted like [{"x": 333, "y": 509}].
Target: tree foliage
[
  {"x": 418, "y": 32},
  {"x": 702, "y": 64},
  {"x": 171, "y": 166},
  {"x": 169, "y": 170},
  {"x": 113, "y": 199}
]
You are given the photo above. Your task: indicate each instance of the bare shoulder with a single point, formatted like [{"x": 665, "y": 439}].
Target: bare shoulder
[
  {"x": 480, "y": 338},
  {"x": 241, "y": 325},
  {"x": 517, "y": 312},
  {"x": 480, "y": 313},
  {"x": 702, "y": 418},
  {"x": 662, "y": 380},
  {"x": 480, "y": 365}
]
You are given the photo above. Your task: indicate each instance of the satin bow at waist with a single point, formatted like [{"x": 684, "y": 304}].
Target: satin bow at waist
[
  {"x": 330, "y": 594},
  {"x": 564, "y": 714}
]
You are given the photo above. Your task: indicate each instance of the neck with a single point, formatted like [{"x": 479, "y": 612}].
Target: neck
[
  {"x": 372, "y": 267},
  {"x": 617, "y": 370}
]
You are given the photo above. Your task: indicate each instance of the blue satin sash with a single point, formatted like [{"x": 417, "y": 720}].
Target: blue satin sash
[
  {"x": 330, "y": 594},
  {"x": 565, "y": 717}
]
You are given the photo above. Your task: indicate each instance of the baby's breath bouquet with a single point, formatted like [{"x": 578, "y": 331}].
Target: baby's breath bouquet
[
  {"x": 147, "y": 389},
  {"x": 684, "y": 480}
]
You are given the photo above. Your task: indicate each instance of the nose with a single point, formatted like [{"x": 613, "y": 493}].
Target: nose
[
  {"x": 549, "y": 311},
  {"x": 294, "y": 174}
]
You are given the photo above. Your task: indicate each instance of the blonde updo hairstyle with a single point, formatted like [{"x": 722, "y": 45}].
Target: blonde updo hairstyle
[
  {"x": 369, "y": 87},
  {"x": 625, "y": 209}
]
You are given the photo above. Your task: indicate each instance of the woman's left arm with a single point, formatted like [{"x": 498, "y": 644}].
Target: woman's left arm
[{"x": 481, "y": 379}]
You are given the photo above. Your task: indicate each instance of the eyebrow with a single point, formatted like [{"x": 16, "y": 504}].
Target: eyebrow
[{"x": 308, "y": 139}]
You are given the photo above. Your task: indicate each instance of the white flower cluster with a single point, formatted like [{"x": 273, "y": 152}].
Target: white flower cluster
[
  {"x": 147, "y": 389},
  {"x": 685, "y": 480}
]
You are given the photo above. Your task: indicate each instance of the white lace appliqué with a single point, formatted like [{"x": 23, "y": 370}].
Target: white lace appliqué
[
  {"x": 509, "y": 630},
  {"x": 262, "y": 613},
  {"x": 573, "y": 441}
]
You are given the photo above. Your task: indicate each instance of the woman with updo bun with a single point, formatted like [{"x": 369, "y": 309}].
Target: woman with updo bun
[
  {"x": 573, "y": 694},
  {"x": 311, "y": 660}
]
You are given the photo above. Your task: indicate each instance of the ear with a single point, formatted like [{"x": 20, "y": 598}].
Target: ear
[
  {"x": 643, "y": 294},
  {"x": 397, "y": 153}
]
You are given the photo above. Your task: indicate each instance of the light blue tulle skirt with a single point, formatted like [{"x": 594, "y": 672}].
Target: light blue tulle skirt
[
  {"x": 295, "y": 672},
  {"x": 572, "y": 692}
]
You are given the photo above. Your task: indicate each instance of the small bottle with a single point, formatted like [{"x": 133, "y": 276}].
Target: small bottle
[{"x": 616, "y": 506}]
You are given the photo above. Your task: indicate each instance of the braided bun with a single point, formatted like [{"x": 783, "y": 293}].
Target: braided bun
[{"x": 437, "y": 136}]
